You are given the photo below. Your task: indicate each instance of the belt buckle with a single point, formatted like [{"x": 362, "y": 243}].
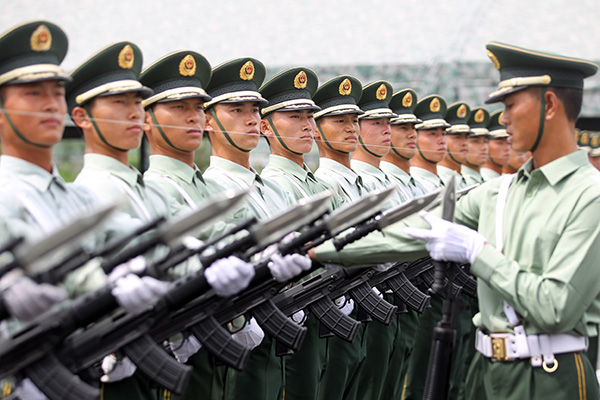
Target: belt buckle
[{"x": 499, "y": 349}]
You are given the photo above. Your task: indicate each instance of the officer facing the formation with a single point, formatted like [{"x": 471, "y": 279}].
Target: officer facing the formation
[
  {"x": 458, "y": 145},
  {"x": 478, "y": 146},
  {"x": 536, "y": 270},
  {"x": 498, "y": 148}
]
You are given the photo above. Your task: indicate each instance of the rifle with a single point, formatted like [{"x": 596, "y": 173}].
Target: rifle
[{"x": 30, "y": 350}]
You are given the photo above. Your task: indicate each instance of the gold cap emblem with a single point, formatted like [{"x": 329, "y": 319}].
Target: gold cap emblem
[
  {"x": 126, "y": 57},
  {"x": 494, "y": 59},
  {"x": 247, "y": 71},
  {"x": 584, "y": 140},
  {"x": 187, "y": 66},
  {"x": 41, "y": 39},
  {"x": 462, "y": 111},
  {"x": 407, "y": 100},
  {"x": 345, "y": 87},
  {"x": 479, "y": 116},
  {"x": 381, "y": 92},
  {"x": 594, "y": 141},
  {"x": 300, "y": 80},
  {"x": 500, "y": 118},
  {"x": 435, "y": 105}
]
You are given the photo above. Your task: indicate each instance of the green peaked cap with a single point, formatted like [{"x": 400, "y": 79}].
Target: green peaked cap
[
  {"x": 180, "y": 75},
  {"x": 375, "y": 101},
  {"x": 478, "y": 121},
  {"x": 113, "y": 70},
  {"x": 339, "y": 95},
  {"x": 290, "y": 90},
  {"x": 403, "y": 104},
  {"x": 432, "y": 110},
  {"x": 521, "y": 68},
  {"x": 237, "y": 81},
  {"x": 497, "y": 129},
  {"x": 32, "y": 52},
  {"x": 457, "y": 116}
]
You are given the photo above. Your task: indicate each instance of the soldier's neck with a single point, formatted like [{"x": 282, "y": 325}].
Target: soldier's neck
[
  {"x": 361, "y": 155},
  {"x": 232, "y": 154},
  {"x": 448, "y": 163},
  {"x": 399, "y": 162},
  {"x": 419, "y": 162},
  {"x": 296, "y": 158},
  {"x": 342, "y": 158},
  {"x": 473, "y": 166},
  {"x": 493, "y": 166},
  {"x": 42, "y": 157},
  {"x": 186, "y": 157}
]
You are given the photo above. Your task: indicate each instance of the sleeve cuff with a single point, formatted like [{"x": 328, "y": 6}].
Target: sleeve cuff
[{"x": 484, "y": 265}]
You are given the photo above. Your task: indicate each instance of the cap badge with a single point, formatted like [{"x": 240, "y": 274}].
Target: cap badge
[
  {"x": 381, "y": 92},
  {"x": 594, "y": 141},
  {"x": 494, "y": 59},
  {"x": 41, "y": 39},
  {"x": 300, "y": 80},
  {"x": 407, "y": 100},
  {"x": 345, "y": 87},
  {"x": 187, "y": 66},
  {"x": 500, "y": 118},
  {"x": 247, "y": 71},
  {"x": 584, "y": 138},
  {"x": 435, "y": 105},
  {"x": 479, "y": 116},
  {"x": 126, "y": 57},
  {"x": 462, "y": 111}
]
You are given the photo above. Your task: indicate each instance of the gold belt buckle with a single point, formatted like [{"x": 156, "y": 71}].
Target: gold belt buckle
[{"x": 499, "y": 349}]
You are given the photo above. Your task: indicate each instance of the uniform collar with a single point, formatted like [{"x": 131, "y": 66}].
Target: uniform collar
[
  {"x": 341, "y": 169},
  {"x": 245, "y": 174},
  {"x": 289, "y": 166},
  {"x": 172, "y": 166},
  {"x": 367, "y": 168},
  {"x": 35, "y": 175},
  {"x": 105, "y": 163},
  {"x": 556, "y": 170},
  {"x": 422, "y": 173}
]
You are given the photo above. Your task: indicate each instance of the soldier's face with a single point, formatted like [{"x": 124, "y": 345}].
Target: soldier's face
[
  {"x": 515, "y": 159},
  {"x": 432, "y": 143},
  {"x": 499, "y": 150},
  {"x": 521, "y": 117},
  {"x": 182, "y": 121},
  {"x": 478, "y": 150},
  {"x": 120, "y": 118},
  {"x": 376, "y": 135},
  {"x": 341, "y": 131},
  {"x": 295, "y": 128},
  {"x": 240, "y": 120},
  {"x": 404, "y": 139},
  {"x": 37, "y": 111},
  {"x": 458, "y": 146}
]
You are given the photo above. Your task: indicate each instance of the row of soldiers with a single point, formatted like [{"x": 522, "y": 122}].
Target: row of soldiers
[{"x": 368, "y": 138}]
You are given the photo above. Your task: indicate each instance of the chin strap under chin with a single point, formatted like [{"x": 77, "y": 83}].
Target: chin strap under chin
[
  {"x": 542, "y": 119},
  {"x": 452, "y": 157},
  {"x": 162, "y": 133},
  {"x": 16, "y": 131},
  {"x": 362, "y": 144},
  {"x": 398, "y": 153},
  {"x": 423, "y": 156},
  {"x": 93, "y": 120},
  {"x": 229, "y": 139},
  {"x": 326, "y": 141},
  {"x": 279, "y": 137}
]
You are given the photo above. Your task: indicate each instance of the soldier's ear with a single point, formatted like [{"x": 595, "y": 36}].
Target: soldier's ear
[
  {"x": 553, "y": 103},
  {"x": 147, "y": 121},
  {"x": 81, "y": 118},
  {"x": 265, "y": 128}
]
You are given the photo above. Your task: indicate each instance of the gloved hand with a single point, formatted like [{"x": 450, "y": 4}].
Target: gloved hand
[
  {"x": 28, "y": 391},
  {"x": 384, "y": 267},
  {"x": 135, "y": 294},
  {"x": 229, "y": 276},
  {"x": 26, "y": 299},
  {"x": 185, "y": 347},
  {"x": 136, "y": 265},
  {"x": 346, "y": 305},
  {"x": 251, "y": 335},
  {"x": 377, "y": 292},
  {"x": 285, "y": 268},
  {"x": 298, "y": 317},
  {"x": 447, "y": 241},
  {"x": 116, "y": 370}
]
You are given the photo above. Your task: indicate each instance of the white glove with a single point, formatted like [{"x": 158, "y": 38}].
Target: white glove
[
  {"x": 229, "y": 276},
  {"x": 185, "y": 347},
  {"x": 298, "y": 317},
  {"x": 116, "y": 370},
  {"x": 251, "y": 335},
  {"x": 447, "y": 241},
  {"x": 384, "y": 267},
  {"x": 377, "y": 292},
  {"x": 345, "y": 305},
  {"x": 285, "y": 268},
  {"x": 28, "y": 391},
  {"x": 26, "y": 299},
  {"x": 135, "y": 294},
  {"x": 136, "y": 265}
]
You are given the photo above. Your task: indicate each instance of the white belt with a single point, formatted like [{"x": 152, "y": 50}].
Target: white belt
[{"x": 540, "y": 349}]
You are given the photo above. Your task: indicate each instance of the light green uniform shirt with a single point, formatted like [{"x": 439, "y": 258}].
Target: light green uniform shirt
[
  {"x": 342, "y": 179},
  {"x": 428, "y": 180},
  {"x": 472, "y": 177},
  {"x": 549, "y": 266},
  {"x": 446, "y": 173},
  {"x": 488, "y": 174},
  {"x": 375, "y": 179},
  {"x": 408, "y": 185}
]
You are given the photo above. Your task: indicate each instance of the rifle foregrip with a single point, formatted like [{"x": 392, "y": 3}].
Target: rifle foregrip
[
  {"x": 57, "y": 382},
  {"x": 374, "y": 305},
  {"x": 130, "y": 252},
  {"x": 154, "y": 362},
  {"x": 408, "y": 293},
  {"x": 439, "y": 276},
  {"x": 278, "y": 325},
  {"x": 468, "y": 283},
  {"x": 438, "y": 370},
  {"x": 333, "y": 319},
  {"x": 219, "y": 342},
  {"x": 359, "y": 233}
]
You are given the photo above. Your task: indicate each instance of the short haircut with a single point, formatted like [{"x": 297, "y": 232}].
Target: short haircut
[{"x": 571, "y": 99}]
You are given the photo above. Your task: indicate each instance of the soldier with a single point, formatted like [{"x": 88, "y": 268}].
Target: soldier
[
  {"x": 233, "y": 123},
  {"x": 537, "y": 300},
  {"x": 498, "y": 148},
  {"x": 478, "y": 146},
  {"x": 516, "y": 161},
  {"x": 458, "y": 144},
  {"x": 431, "y": 141}
]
